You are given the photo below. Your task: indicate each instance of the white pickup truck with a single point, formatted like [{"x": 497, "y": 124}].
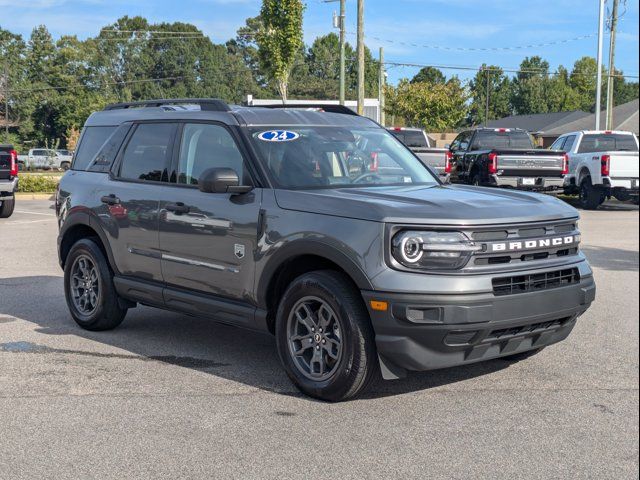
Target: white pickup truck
[
  {"x": 602, "y": 164},
  {"x": 46, "y": 158}
]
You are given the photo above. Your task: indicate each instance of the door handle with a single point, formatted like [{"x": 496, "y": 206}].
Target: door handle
[
  {"x": 110, "y": 199},
  {"x": 177, "y": 207}
]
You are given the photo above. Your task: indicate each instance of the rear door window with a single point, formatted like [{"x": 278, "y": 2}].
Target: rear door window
[
  {"x": 603, "y": 142},
  {"x": 92, "y": 139},
  {"x": 148, "y": 153}
]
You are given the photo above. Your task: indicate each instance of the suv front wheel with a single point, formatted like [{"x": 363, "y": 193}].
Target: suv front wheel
[
  {"x": 324, "y": 337},
  {"x": 89, "y": 290}
]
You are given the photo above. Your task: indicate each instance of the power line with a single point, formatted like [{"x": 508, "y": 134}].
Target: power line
[
  {"x": 106, "y": 84},
  {"x": 480, "y": 49},
  {"x": 499, "y": 69}
]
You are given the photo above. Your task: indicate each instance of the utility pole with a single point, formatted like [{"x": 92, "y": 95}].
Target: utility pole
[
  {"x": 612, "y": 69},
  {"x": 599, "y": 62},
  {"x": 486, "y": 109},
  {"x": 339, "y": 21},
  {"x": 343, "y": 33},
  {"x": 382, "y": 83},
  {"x": 360, "y": 57}
]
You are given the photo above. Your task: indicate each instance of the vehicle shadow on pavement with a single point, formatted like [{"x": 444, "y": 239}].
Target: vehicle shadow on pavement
[
  {"x": 151, "y": 334},
  {"x": 614, "y": 259},
  {"x": 607, "y": 206}
]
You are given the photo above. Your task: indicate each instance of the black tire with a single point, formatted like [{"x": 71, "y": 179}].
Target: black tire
[
  {"x": 518, "y": 357},
  {"x": 474, "y": 179},
  {"x": 107, "y": 312},
  {"x": 6, "y": 207},
  {"x": 590, "y": 197},
  {"x": 357, "y": 365}
]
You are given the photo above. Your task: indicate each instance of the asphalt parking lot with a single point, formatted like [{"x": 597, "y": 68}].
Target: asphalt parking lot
[{"x": 170, "y": 396}]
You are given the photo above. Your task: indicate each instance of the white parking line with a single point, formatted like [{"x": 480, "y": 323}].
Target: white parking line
[
  {"x": 35, "y": 213},
  {"x": 23, "y": 222}
]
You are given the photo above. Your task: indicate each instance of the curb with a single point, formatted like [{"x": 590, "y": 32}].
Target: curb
[{"x": 34, "y": 196}]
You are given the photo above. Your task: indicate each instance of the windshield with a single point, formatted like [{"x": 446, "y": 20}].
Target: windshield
[
  {"x": 300, "y": 157},
  {"x": 607, "y": 142},
  {"x": 497, "y": 139}
]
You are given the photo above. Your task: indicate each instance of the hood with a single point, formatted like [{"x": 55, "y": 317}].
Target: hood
[{"x": 435, "y": 205}]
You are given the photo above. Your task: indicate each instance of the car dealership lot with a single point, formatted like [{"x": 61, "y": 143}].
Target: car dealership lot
[{"x": 166, "y": 395}]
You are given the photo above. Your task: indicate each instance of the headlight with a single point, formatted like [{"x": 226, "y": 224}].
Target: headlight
[{"x": 432, "y": 250}]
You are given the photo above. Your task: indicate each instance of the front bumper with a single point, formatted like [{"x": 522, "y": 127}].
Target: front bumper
[
  {"x": 427, "y": 332},
  {"x": 539, "y": 183},
  {"x": 8, "y": 188}
]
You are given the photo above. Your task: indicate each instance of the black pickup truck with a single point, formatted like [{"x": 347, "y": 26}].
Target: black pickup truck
[
  {"x": 8, "y": 179},
  {"x": 504, "y": 157}
]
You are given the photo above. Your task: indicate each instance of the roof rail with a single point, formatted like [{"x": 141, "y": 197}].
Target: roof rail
[
  {"x": 329, "y": 108},
  {"x": 206, "y": 104}
]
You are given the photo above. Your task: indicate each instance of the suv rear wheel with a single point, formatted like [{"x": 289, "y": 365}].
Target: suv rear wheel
[
  {"x": 89, "y": 290},
  {"x": 324, "y": 337},
  {"x": 6, "y": 208}
]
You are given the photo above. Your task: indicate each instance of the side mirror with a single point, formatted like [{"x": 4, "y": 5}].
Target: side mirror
[{"x": 221, "y": 180}]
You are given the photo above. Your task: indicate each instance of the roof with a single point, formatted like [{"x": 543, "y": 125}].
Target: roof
[
  {"x": 236, "y": 115},
  {"x": 625, "y": 117},
  {"x": 537, "y": 122}
]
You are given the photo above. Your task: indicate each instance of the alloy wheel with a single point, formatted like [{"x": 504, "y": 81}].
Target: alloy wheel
[
  {"x": 85, "y": 285},
  {"x": 315, "y": 338}
]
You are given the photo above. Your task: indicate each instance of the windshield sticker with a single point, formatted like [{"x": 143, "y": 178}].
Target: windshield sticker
[{"x": 278, "y": 136}]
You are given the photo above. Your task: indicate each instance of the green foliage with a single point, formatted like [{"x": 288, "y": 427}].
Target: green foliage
[
  {"x": 499, "y": 95},
  {"x": 429, "y": 74},
  {"x": 29, "y": 183},
  {"x": 432, "y": 106},
  {"x": 280, "y": 39}
]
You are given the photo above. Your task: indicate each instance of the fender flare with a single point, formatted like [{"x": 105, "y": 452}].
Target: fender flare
[
  {"x": 83, "y": 218},
  {"x": 309, "y": 247}
]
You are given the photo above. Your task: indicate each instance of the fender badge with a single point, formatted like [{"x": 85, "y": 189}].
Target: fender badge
[{"x": 238, "y": 250}]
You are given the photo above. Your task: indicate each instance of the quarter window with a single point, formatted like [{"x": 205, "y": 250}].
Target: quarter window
[
  {"x": 147, "y": 154},
  {"x": 92, "y": 139},
  {"x": 206, "y": 146}
]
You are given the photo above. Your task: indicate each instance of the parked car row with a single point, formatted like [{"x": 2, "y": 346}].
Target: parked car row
[{"x": 595, "y": 165}]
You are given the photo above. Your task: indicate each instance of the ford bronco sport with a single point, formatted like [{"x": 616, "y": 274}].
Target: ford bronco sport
[{"x": 271, "y": 219}]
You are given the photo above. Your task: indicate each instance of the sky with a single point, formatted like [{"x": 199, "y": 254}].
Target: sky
[{"x": 432, "y": 26}]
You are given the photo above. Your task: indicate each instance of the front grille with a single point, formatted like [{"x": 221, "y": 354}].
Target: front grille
[
  {"x": 535, "y": 282},
  {"x": 505, "y": 333}
]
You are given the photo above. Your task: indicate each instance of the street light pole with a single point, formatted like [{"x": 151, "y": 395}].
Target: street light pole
[
  {"x": 341, "y": 24},
  {"x": 360, "y": 57},
  {"x": 381, "y": 93},
  {"x": 343, "y": 16},
  {"x": 599, "y": 62},
  {"x": 612, "y": 68}
]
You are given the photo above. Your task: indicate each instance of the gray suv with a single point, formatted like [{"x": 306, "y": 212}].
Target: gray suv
[{"x": 280, "y": 220}]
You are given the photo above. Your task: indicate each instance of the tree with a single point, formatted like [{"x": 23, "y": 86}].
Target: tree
[
  {"x": 583, "y": 81},
  {"x": 429, "y": 74},
  {"x": 280, "y": 39},
  {"x": 529, "y": 87},
  {"x": 499, "y": 95},
  {"x": 435, "y": 107}
]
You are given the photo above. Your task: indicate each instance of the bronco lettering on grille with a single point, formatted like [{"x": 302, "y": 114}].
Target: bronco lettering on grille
[{"x": 533, "y": 244}]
